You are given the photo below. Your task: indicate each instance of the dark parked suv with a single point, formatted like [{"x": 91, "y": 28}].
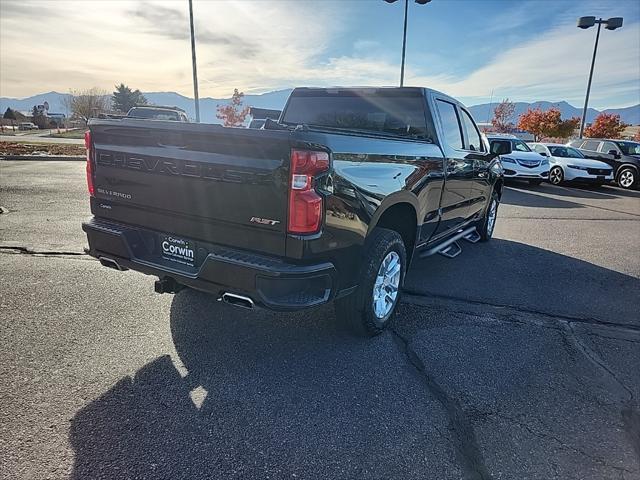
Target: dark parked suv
[{"x": 622, "y": 155}]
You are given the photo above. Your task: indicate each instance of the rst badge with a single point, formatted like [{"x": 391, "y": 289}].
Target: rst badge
[{"x": 264, "y": 221}]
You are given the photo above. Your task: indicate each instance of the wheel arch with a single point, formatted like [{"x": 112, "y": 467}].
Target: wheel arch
[
  {"x": 401, "y": 216},
  {"x": 627, "y": 165}
]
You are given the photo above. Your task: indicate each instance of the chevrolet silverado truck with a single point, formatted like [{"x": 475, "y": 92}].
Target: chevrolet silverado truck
[{"x": 332, "y": 202}]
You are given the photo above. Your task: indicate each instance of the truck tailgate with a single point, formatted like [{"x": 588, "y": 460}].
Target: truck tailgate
[{"x": 198, "y": 182}]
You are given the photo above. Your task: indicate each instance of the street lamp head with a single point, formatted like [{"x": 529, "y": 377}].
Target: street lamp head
[
  {"x": 419, "y": 2},
  {"x": 586, "y": 22},
  {"x": 613, "y": 23}
]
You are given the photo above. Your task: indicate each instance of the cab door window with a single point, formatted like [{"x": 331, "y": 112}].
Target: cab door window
[
  {"x": 450, "y": 124},
  {"x": 606, "y": 147}
]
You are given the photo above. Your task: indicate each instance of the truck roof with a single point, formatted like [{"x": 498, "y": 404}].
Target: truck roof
[{"x": 423, "y": 91}]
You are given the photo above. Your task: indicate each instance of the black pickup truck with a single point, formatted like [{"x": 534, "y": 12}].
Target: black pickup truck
[{"x": 330, "y": 202}]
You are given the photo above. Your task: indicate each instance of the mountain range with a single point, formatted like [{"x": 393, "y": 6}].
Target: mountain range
[{"x": 276, "y": 100}]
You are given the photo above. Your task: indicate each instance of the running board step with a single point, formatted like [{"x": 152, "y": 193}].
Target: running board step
[
  {"x": 451, "y": 251},
  {"x": 445, "y": 246},
  {"x": 473, "y": 237}
]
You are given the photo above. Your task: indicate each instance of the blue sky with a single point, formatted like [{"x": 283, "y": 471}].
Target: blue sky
[{"x": 524, "y": 50}]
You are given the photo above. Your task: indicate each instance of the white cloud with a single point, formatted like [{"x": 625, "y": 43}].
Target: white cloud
[
  {"x": 262, "y": 46},
  {"x": 555, "y": 66}
]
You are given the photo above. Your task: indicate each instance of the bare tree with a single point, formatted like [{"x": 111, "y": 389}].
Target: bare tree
[
  {"x": 88, "y": 103},
  {"x": 502, "y": 115}
]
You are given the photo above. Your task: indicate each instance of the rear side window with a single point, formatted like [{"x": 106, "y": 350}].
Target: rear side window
[
  {"x": 450, "y": 124},
  {"x": 386, "y": 112},
  {"x": 473, "y": 135},
  {"x": 591, "y": 145}
]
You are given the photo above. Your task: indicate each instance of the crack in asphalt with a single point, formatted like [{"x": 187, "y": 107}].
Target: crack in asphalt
[
  {"x": 565, "y": 325},
  {"x": 597, "y": 361},
  {"x": 549, "y": 436},
  {"x": 19, "y": 250},
  {"x": 554, "y": 316},
  {"x": 464, "y": 438}
]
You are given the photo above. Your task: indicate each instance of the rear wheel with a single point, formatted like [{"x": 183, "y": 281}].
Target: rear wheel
[
  {"x": 488, "y": 223},
  {"x": 627, "y": 177},
  {"x": 370, "y": 308},
  {"x": 556, "y": 176}
]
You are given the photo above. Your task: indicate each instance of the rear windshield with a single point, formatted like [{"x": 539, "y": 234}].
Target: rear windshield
[
  {"x": 383, "y": 112},
  {"x": 156, "y": 114}
]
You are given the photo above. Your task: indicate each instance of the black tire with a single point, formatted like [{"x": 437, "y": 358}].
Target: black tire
[
  {"x": 357, "y": 309},
  {"x": 535, "y": 183},
  {"x": 556, "y": 176},
  {"x": 485, "y": 228},
  {"x": 627, "y": 178}
]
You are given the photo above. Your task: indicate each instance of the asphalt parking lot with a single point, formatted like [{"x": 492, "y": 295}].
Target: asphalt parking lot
[{"x": 517, "y": 360}]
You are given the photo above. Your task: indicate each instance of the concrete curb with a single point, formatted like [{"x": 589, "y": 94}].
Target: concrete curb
[{"x": 44, "y": 157}]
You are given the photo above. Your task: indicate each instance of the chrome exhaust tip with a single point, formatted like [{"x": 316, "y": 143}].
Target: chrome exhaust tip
[
  {"x": 111, "y": 263},
  {"x": 237, "y": 300}
]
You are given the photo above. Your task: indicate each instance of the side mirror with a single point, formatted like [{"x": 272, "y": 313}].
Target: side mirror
[
  {"x": 614, "y": 153},
  {"x": 544, "y": 154}
]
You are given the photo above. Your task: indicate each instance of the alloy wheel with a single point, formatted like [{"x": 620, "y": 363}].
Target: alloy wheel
[
  {"x": 491, "y": 218},
  {"x": 626, "y": 179},
  {"x": 387, "y": 284},
  {"x": 555, "y": 176}
]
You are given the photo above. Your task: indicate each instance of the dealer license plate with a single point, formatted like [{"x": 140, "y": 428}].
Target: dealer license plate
[{"x": 178, "y": 250}]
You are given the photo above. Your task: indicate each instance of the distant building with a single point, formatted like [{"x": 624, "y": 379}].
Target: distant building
[
  {"x": 58, "y": 118},
  {"x": 258, "y": 116}
]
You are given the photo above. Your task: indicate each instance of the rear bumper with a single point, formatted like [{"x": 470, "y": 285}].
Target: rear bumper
[{"x": 270, "y": 282}]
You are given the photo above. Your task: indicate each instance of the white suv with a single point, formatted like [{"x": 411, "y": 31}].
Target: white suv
[{"x": 518, "y": 160}]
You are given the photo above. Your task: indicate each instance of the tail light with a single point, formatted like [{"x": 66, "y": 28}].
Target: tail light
[
  {"x": 305, "y": 205},
  {"x": 89, "y": 146}
]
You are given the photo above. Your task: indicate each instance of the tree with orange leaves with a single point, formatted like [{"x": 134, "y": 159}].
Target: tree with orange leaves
[
  {"x": 233, "y": 114},
  {"x": 605, "y": 125},
  {"x": 547, "y": 124}
]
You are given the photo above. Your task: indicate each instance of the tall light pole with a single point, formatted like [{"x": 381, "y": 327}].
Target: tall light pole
[
  {"x": 193, "y": 62},
  {"x": 404, "y": 34},
  {"x": 588, "y": 22}
]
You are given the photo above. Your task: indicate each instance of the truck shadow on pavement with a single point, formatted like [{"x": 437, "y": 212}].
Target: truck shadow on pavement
[
  {"x": 259, "y": 394},
  {"x": 264, "y": 396}
]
